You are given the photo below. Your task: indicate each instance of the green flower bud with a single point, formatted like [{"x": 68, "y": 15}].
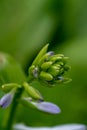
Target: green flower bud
[
  {"x": 60, "y": 55},
  {"x": 46, "y": 65},
  {"x": 55, "y": 58},
  {"x": 59, "y": 80},
  {"x": 8, "y": 87},
  {"x": 61, "y": 71},
  {"x": 60, "y": 63},
  {"x": 54, "y": 70},
  {"x": 34, "y": 93},
  {"x": 31, "y": 69},
  {"x": 67, "y": 80},
  {"x": 57, "y": 65},
  {"x": 45, "y": 76},
  {"x": 64, "y": 80},
  {"x": 45, "y": 58}
]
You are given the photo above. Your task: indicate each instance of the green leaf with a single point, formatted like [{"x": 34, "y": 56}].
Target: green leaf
[{"x": 10, "y": 70}]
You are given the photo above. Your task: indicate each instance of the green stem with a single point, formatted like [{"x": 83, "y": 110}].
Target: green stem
[
  {"x": 10, "y": 115},
  {"x": 13, "y": 108}
]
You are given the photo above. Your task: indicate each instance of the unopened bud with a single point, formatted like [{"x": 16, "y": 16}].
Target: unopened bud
[
  {"x": 34, "y": 93},
  {"x": 8, "y": 87},
  {"x": 31, "y": 69},
  {"x": 46, "y": 65},
  {"x": 55, "y": 58},
  {"x": 67, "y": 80},
  {"x": 44, "y": 59},
  {"x": 54, "y": 70},
  {"x": 45, "y": 76},
  {"x": 6, "y": 100}
]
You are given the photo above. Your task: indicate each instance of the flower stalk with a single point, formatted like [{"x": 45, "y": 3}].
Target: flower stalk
[
  {"x": 48, "y": 68},
  {"x": 13, "y": 108}
]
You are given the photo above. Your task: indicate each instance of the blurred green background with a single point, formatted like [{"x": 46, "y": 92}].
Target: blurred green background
[{"x": 25, "y": 27}]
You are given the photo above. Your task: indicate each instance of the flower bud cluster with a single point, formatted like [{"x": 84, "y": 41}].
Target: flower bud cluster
[
  {"x": 47, "y": 68},
  {"x": 50, "y": 68}
]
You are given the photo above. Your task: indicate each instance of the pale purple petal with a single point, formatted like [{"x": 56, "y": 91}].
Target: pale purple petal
[
  {"x": 42, "y": 105},
  {"x": 6, "y": 100},
  {"x": 24, "y": 127},
  {"x": 47, "y": 107},
  {"x": 70, "y": 127},
  {"x": 61, "y": 127}
]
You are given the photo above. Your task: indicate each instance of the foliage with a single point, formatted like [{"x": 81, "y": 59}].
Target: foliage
[{"x": 26, "y": 25}]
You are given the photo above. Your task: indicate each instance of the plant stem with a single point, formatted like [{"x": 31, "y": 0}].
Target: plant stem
[
  {"x": 10, "y": 114},
  {"x": 13, "y": 108}
]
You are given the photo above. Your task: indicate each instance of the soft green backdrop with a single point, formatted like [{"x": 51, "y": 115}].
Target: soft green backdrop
[{"x": 27, "y": 25}]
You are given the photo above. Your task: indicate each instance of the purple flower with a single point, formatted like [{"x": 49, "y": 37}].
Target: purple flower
[
  {"x": 41, "y": 105},
  {"x": 6, "y": 100},
  {"x": 47, "y": 107}
]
